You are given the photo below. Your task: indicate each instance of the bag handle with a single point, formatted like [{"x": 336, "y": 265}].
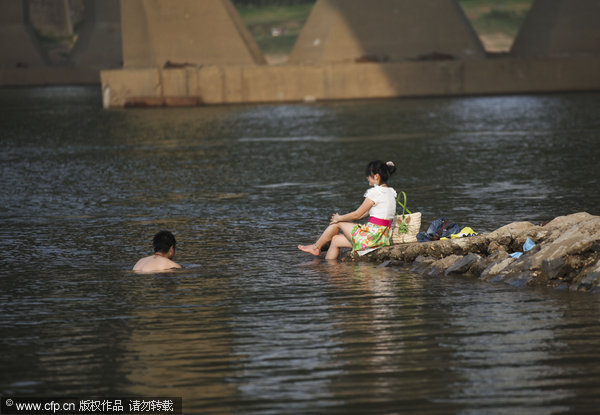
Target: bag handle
[
  {"x": 404, "y": 208},
  {"x": 403, "y": 227}
]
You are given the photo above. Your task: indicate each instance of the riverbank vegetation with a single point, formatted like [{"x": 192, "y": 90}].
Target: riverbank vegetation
[
  {"x": 275, "y": 25},
  {"x": 496, "y": 22}
]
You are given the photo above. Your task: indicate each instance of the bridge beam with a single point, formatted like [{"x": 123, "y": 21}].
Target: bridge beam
[
  {"x": 185, "y": 32},
  {"x": 560, "y": 28},
  {"x": 385, "y": 31}
]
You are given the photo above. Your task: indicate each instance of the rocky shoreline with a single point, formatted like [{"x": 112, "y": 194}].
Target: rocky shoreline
[{"x": 566, "y": 255}]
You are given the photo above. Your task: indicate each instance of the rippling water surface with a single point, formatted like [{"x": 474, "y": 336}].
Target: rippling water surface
[{"x": 252, "y": 325}]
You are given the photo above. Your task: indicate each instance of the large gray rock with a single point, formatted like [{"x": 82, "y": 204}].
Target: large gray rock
[
  {"x": 567, "y": 253},
  {"x": 463, "y": 265},
  {"x": 589, "y": 279}
]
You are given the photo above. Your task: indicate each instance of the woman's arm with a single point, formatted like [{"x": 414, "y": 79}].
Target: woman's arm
[{"x": 361, "y": 212}]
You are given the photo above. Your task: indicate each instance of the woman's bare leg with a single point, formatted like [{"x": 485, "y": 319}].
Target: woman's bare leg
[
  {"x": 327, "y": 235},
  {"x": 338, "y": 241},
  {"x": 343, "y": 240},
  {"x": 346, "y": 228}
]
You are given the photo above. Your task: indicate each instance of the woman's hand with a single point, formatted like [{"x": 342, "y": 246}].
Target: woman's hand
[{"x": 362, "y": 211}]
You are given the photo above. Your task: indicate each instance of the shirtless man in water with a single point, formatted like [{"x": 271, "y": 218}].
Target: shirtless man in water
[{"x": 164, "y": 250}]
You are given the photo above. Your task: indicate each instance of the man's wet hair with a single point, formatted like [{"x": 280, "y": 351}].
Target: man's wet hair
[{"x": 163, "y": 241}]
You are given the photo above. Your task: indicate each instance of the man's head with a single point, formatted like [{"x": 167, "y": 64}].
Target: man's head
[{"x": 163, "y": 242}]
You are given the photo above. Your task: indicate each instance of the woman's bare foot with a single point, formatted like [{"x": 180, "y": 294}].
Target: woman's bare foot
[{"x": 311, "y": 249}]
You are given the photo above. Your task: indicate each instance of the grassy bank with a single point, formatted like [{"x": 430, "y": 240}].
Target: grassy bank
[
  {"x": 496, "y": 22},
  {"x": 275, "y": 28}
]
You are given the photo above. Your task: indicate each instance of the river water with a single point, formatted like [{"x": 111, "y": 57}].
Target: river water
[{"x": 251, "y": 325}]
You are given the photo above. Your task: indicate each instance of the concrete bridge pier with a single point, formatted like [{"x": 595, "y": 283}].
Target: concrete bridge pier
[
  {"x": 176, "y": 52},
  {"x": 560, "y": 28},
  {"x": 386, "y": 31},
  {"x": 24, "y": 62},
  {"x": 159, "y": 33},
  {"x": 19, "y": 48}
]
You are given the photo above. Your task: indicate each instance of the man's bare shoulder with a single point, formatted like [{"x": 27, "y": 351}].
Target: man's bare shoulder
[{"x": 155, "y": 263}]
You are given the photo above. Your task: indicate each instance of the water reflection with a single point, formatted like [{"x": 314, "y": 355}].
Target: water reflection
[
  {"x": 182, "y": 334},
  {"x": 339, "y": 340},
  {"x": 493, "y": 355}
]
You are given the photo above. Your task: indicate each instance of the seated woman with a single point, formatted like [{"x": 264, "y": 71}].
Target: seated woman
[{"x": 379, "y": 204}]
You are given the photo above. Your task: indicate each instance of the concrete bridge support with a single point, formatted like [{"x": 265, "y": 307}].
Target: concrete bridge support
[
  {"x": 560, "y": 28},
  {"x": 23, "y": 61},
  {"x": 19, "y": 48},
  {"x": 385, "y": 31},
  {"x": 159, "y": 33}
]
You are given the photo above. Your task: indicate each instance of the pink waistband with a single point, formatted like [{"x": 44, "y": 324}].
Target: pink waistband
[{"x": 379, "y": 222}]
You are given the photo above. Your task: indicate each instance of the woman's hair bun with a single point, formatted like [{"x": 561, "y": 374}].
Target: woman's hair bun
[
  {"x": 383, "y": 169},
  {"x": 391, "y": 167}
]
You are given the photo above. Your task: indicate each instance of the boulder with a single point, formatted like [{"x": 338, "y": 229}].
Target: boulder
[
  {"x": 464, "y": 265},
  {"x": 589, "y": 279},
  {"x": 496, "y": 269},
  {"x": 437, "y": 268},
  {"x": 566, "y": 254}
]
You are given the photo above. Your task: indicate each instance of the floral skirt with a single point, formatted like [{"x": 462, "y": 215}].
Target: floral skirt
[{"x": 370, "y": 235}]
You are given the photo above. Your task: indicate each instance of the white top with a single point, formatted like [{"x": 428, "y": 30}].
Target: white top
[{"x": 385, "y": 202}]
